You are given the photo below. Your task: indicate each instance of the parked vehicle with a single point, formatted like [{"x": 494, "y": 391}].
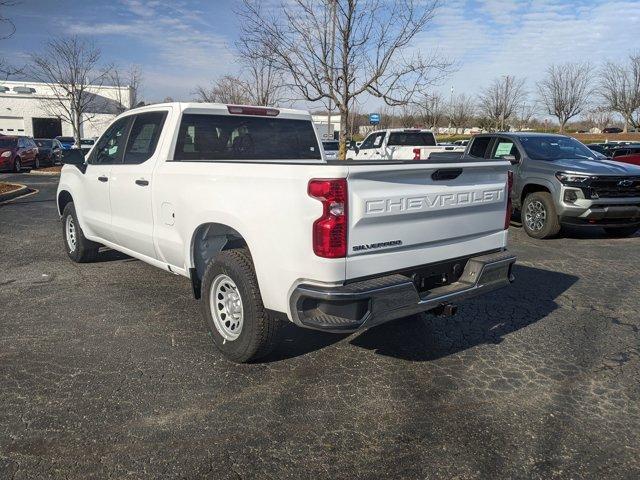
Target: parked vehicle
[
  {"x": 66, "y": 142},
  {"x": 243, "y": 202},
  {"x": 558, "y": 181},
  {"x": 331, "y": 149},
  {"x": 612, "y": 130},
  {"x": 18, "y": 152},
  {"x": 49, "y": 151},
  {"x": 603, "y": 148},
  {"x": 399, "y": 144},
  {"x": 86, "y": 144},
  {"x": 627, "y": 154}
]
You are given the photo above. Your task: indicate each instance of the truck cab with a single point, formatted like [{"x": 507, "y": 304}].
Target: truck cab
[{"x": 399, "y": 144}]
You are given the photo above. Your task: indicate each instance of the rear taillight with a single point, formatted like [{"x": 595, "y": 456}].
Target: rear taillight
[
  {"x": 330, "y": 230},
  {"x": 507, "y": 217},
  {"x": 416, "y": 154}
]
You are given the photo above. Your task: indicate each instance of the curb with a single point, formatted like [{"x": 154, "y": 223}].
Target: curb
[
  {"x": 51, "y": 174},
  {"x": 15, "y": 193}
]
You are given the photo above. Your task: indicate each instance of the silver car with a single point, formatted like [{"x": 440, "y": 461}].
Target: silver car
[{"x": 558, "y": 181}]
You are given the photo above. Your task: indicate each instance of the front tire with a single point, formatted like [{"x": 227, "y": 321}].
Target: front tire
[
  {"x": 79, "y": 248},
  {"x": 17, "y": 167},
  {"x": 36, "y": 164},
  {"x": 539, "y": 217},
  {"x": 621, "y": 232},
  {"x": 232, "y": 306}
]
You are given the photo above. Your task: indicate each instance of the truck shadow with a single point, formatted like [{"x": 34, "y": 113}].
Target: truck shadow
[
  {"x": 484, "y": 320},
  {"x": 420, "y": 338}
]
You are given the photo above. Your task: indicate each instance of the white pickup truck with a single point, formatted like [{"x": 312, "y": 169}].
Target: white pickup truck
[
  {"x": 400, "y": 144},
  {"x": 241, "y": 201}
]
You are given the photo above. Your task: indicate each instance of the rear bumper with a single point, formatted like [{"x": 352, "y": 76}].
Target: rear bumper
[{"x": 371, "y": 302}]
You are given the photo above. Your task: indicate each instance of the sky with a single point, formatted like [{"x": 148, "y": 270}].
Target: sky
[{"x": 183, "y": 43}]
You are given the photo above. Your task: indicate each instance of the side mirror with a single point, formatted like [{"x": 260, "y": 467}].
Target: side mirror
[
  {"x": 74, "y": 157},
  {"x": 511, "y": 159}
]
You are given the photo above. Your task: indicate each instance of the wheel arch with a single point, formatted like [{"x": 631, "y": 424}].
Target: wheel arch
[
  {"x": 64, "y": 197},
  {"x": 533, "y": 187},
  {"x": 208, "y": 240}
]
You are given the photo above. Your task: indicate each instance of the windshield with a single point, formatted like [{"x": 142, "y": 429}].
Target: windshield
[
  {"x": 330, "y": 145},
  {"x": 44, "y": 143},
  {"x": 555, "y": 148},
  {"x": 7, "y": 142},
  {"x": 66, "y": 139}
]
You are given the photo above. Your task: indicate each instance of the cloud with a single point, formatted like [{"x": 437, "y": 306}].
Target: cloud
[
  {"x": 180, "y": 38},
  {"x": 499, "y": 37}
]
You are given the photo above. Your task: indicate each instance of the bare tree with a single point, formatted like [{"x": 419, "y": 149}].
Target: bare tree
[
  {"x": 524, "y": 114},
  {"x": 461, "y": 111},
  {"x": 620, "y": 89},
  {"x": 226, "y": 89},
  {"x": 433, "y": 110},
  {"x": 337, "y": 50},
  {"x": 599, "y": 117},
  {"x": 565, "y": 90},
  {"x": 500, "y": 100},
  {"x": 264, "y": 81},
  {"x": 7, "y": 29},
  {"x": 70, "y": 67},
  {"x": 128, "y": 85}
]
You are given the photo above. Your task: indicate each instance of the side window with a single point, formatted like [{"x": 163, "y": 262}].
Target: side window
[
  {"x": 377, "y": 142},
  {"x": 20, "y": 142},
  {"x": 111, "y": 145},
  {"x": 144, "y": 136},
  {"x": 368, "y": 142},
  {"x": 479, "y": 147},
  {"x": 504, "y": 146}
]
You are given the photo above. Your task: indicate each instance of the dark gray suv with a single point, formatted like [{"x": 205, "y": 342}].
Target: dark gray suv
[{"x": 558, "y": 180}]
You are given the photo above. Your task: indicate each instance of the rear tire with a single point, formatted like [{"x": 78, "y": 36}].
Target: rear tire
[
  {"x": 36, "y": 164},
  {"x": 621, "y": 232},
  {"x": 79, "y": 248},
  {"x": 232, "y": 306},
  {"x": 17, "y": 167},
  {"x": 539, "y": 217}
]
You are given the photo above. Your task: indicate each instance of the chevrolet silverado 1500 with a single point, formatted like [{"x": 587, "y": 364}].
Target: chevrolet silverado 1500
[{"x": 241, "y": 201}]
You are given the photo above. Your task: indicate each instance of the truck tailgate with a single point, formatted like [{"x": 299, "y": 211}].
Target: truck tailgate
[{"x": 401, "y": 216}]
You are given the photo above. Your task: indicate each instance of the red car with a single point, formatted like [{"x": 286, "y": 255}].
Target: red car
[
  {"x": 17, "y": 152},
  {"x": 627, "y": 154}
]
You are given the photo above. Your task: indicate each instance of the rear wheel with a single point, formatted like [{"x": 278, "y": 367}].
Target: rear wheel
[
  {"x": 37, "y": 163},
  {"x": 240, "y": 326},
  {"x": 79, "y": 248},
  {"x": 539, "y": 217},
  {"x": 17, "y": 167},
  {"x": 621, "y": 232}
]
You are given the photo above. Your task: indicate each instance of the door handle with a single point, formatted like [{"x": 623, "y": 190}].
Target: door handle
[
  {"x": 142, "y": 182},
  {"x": 103, "y": 179}
]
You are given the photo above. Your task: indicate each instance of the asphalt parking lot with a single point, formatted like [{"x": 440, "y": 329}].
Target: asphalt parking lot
[{"x": 106, "y": 370}]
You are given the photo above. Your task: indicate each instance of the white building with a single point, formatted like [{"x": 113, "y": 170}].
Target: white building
[
  {"x": 29, "y": 108},
  {"x": 327, "y": 126}
]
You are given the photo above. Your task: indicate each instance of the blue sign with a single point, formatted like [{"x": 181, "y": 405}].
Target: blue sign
[{"x": 374, "y": 118}]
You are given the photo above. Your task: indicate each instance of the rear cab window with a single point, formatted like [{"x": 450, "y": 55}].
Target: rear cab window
[
  {"x": 411, "y": 139},
  {"x": 204, "y": 136}
]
